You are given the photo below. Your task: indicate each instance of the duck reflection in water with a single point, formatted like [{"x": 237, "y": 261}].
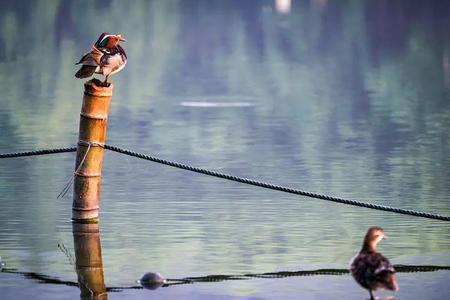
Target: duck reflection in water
[{"x": 371, "y": 269}]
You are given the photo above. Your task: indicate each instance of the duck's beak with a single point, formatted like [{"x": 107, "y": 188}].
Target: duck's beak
[{"x": 120, "y": 38}]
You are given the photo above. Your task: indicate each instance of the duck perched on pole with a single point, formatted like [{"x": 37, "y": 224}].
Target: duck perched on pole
[
  {"x": 106, "y": 57},
  {"x": 371, "y": 269}
]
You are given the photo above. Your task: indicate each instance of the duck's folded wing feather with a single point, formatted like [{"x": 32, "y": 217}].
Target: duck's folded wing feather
[
  {"x": 85, "y": 71},
  {"x": 92, "y": 58},
  {"x": 87, "y": 60},
  {"x": 383, "y": 265}
]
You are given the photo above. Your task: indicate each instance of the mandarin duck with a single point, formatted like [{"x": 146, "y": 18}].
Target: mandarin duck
[
  {"x": 369, "y": 268},
  {"x": 106, "y": 57}
]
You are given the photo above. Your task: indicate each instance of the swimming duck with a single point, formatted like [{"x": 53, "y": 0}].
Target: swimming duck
[
  {"x": 369, "y": 268},
  {"x": 106, "y": 57}
]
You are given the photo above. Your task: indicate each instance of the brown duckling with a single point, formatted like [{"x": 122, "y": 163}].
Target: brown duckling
[{"x": 370, "y": 269}]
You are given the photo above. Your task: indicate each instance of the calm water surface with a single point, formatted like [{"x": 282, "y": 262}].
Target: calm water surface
[{"x": 348, "y": 98}]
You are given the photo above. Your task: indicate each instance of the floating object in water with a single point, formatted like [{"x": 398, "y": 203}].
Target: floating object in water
[
  {"x": 2, "y": 264},
  {"x": 369, "y": 268},
  {"x": 152, "y": 281}
]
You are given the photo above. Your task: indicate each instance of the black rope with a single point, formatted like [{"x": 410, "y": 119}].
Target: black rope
[
  {"x": 38, "y": 152},
  {"x": 47, "y": 279},
  {"x": 241, "y": 180},
  {"x": 278, "y": 187}
]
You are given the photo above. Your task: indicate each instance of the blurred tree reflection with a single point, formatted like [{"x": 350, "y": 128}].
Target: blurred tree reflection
[{"x": 348, "y": 88}]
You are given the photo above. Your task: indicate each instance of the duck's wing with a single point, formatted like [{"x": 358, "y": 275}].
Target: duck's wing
[
  {"x": 85, "y": 71},
  {"x": 383, "y": 265},
  {"x": 91, "y": 62},
  {"x": 384, "y": 274},
  {"x": 362, "y": 269},
  {"x": 92, "y": 58},
  {"x": 369, "y": 269},
  {"x": 88, "y": 60}
]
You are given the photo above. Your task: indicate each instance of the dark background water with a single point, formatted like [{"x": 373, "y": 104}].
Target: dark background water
[{"x": 347, "y": 98}]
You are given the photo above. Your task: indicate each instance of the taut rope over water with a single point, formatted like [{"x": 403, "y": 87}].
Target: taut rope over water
[{"x": 241, "y": 180}]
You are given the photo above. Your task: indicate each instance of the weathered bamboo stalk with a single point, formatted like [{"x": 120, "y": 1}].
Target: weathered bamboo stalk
[
  {"x": 92, "y": 136},
  {"x": 88, "y": 261}
]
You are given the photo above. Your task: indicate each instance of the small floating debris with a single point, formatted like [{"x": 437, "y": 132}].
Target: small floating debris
[
  {"x": 152, "y": 281},
  {"x": 2, "y": 264},
  {"x": 216, "y": 104}
]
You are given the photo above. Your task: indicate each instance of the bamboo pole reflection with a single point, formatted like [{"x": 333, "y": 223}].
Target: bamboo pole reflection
[{"x": 88, "y": 261}]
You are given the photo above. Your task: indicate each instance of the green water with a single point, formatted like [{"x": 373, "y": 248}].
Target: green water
[{"x": 348, "y": 98}]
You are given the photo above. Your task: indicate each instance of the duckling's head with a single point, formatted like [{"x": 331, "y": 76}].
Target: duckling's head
[{"x": 373, "y": 236}]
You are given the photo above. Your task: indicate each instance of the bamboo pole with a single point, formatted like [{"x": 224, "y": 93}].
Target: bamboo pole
[
  {"x": 88, "y": 261},
  {"x": 92, "y": 136}
]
